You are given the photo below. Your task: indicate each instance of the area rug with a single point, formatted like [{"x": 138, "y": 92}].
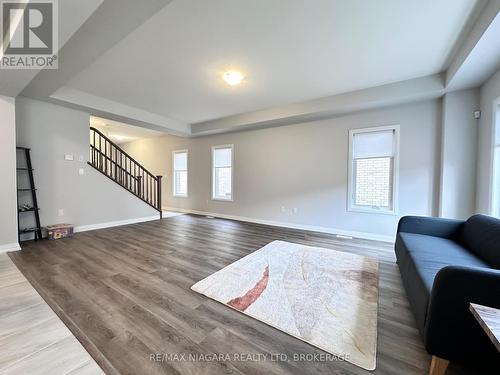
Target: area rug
[{"x": 324, "y": 297}]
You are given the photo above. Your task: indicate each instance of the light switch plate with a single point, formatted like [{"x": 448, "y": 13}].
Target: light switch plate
[
  {"x": 69, "y": 157},
  {"x": 81, "y": 171}
]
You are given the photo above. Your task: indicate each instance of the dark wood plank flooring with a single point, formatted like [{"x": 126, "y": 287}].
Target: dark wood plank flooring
[{"x": 125, "y": 294}]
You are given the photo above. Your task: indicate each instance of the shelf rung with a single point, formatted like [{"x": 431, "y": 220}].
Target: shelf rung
[{"x": 29, "y": 230}]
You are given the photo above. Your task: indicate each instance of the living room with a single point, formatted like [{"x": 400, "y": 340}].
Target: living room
[{"x": 251, "y": 187}]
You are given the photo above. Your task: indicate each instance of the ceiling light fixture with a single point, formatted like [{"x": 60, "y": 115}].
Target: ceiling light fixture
[
  {"x": 118, "y": 137},
  {"x": 232, "y": 77}
]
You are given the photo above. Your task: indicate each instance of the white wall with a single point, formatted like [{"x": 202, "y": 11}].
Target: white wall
[
  {"x": 458, "y": 154},
  {"x": 52, "y": 131},
  {"x": 489, "y": 93},
  {"x": 305, "y": 166},
  {"x": 8, "y": 200}
]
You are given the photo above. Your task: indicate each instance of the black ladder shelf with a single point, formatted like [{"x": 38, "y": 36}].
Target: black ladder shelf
[{"x": 37, "y": 230}]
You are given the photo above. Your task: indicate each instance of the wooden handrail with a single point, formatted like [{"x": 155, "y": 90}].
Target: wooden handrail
[
  {"x": 122, "y": 151},
  {"x": 112, "y": 161}
]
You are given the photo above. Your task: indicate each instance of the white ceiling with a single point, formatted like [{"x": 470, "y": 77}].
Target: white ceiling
[
  {"x": 120, "y": 132},
  {"x": 483, "y": 61},
  {"x": 72, "y": 14},
  {"x": 290, "y": 51}
]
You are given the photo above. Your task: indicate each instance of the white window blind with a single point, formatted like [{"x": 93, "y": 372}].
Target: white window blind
[
  {"x": 372, "y": 181},
  {"x": 180, "y": 173},
  {"x": 222, "y": 161},
  {"x": 373, "y": 144}
]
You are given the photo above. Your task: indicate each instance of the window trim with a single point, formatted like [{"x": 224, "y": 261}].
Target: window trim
[
  {"x": 351, "y": 207},
  {"x": 214, "y": 198},
  {"x": 187, "y": 173},
  {"x": 493, "y": 195}
]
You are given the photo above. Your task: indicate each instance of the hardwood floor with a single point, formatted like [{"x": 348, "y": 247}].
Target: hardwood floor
[
  {"x": 125, "y": 293},
  {"x": 33, "y": 340}
]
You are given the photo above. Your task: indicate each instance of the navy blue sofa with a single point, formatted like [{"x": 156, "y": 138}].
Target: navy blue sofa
[{"x": 445, "y": 265}]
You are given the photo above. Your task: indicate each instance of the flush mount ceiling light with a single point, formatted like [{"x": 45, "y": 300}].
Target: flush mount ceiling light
[
  {"x": 232, "y": 77},
  {"x": 118, "y": 137}
]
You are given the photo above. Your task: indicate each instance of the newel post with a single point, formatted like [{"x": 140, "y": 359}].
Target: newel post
[{"x": 158, "y": 196}]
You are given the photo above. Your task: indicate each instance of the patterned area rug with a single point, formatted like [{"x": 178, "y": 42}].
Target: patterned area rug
[{"x": 324, "y": 297}]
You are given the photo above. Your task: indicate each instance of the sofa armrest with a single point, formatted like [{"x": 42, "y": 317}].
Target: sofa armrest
[
  {"x": 451, "y": 331},
  {"x": 431, "y": 226}
]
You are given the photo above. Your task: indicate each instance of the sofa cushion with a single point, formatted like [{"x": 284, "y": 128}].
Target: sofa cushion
[
  {"x": 420, "y": 257},
  {"x": 481, "y": 235}
]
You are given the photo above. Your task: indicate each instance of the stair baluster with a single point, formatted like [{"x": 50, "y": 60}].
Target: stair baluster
[{"x": 112, "y": 161}]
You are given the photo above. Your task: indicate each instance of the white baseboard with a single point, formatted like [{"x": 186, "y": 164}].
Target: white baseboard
[
  {"x": 9, "y": 247},
  {"x": 312, "y": 228},
  {"x": 109, "y": 224},
  {"x": 167, "y": 214}
]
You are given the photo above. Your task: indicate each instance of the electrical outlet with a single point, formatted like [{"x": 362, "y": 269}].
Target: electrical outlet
[
  {"x": 69, "y": 157},
  {"x": 60, "y": 212},
  {"x": 295, "y": 210},
  {"x": 81, "y": 171},
  {"x": 283, "y": 209}
]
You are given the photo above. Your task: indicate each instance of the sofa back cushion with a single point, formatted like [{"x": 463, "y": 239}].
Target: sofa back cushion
[{"x": 481, "y": 235}]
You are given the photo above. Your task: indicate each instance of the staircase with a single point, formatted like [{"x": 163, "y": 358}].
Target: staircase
[{"x": 109, "y": 159}]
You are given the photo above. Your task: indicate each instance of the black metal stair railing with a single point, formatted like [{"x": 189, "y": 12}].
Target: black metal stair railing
[{"x": 111, "y": 160}]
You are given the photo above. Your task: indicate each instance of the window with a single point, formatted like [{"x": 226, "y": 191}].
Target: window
[
  {"x": 180, "y": 173},
  {"x": 495, "y": 209},
  {"x": 373, "y": 155},
  {"x": 496, "y": 181},
  {"x": 222, "y": 172}
]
